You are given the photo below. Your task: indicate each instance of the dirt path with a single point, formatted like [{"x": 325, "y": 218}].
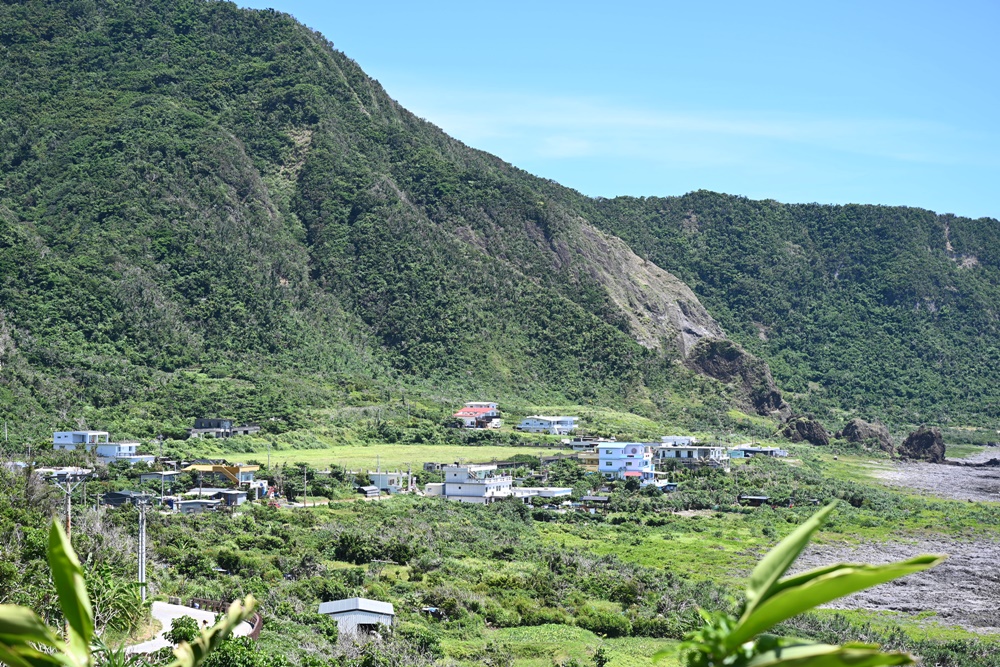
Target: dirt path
[
  {"x": 955, "y": 482},
  {"x": 963, "y": 591}
]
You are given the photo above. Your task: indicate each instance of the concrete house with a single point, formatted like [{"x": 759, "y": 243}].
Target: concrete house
[
  {"x": 390, "y": 482},
  {"x": 678, "y": 440},
  {"x": 99, "y": 443},
  {"x": 166, "y": 476},
  {"x": 479, "y": 414},
  {"x": 546, "y": 424},
  {"x": 749, "y": 451},
  {"x": 692, "y": 455},
  {"x": 473, "y": 483},
  {"x": 359, "y": 615},
  {"x": 119, "y": 498},
  {"x": 220, "y": 428},
  {"x": 627, "y": 460}
]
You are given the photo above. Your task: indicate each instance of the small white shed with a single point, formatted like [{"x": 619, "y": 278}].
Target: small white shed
[{"x": 358, "y": 615}]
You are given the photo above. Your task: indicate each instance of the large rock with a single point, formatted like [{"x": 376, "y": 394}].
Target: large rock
[
  {"x": 727, "y": 362},
  {"x": 871, "y": 435},
  {"x": 924, "y": 444},
  {"x": 805, "y": 429}
]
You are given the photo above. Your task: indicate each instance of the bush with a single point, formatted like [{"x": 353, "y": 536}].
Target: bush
[
  {"x": 182, "y": 629},
  {"x": 606, "y": 623}
]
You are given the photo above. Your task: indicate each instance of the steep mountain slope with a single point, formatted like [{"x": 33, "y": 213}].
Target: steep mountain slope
[
  {"x": 891, "y": 311},
  {"x": 188, "y": 184},
  {"x": 206, "y": 209}
]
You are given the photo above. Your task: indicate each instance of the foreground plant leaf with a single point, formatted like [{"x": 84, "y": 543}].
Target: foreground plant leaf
[
  {"x": 194, "y": 653},
  {"x": 67, "y": 575},
  {"x": 811, "y": 589},
  {"x": 825, "y": 655},
  {"x": 20, "y": 625},
  {"x": 777, "y": 561}
]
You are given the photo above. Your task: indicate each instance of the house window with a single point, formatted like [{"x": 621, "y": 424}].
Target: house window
[{"x": 608, "y": 464}]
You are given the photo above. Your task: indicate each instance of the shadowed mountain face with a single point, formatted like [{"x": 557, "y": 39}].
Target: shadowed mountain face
[{"x": 186, "y": 184}]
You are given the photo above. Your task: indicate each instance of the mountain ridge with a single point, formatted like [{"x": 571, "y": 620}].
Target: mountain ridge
[{"x": 190, "y": 185}]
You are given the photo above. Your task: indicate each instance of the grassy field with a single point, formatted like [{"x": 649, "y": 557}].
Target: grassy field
[
  {"x": 547, "y": 645},
  {"x": 395, "y": 456}
]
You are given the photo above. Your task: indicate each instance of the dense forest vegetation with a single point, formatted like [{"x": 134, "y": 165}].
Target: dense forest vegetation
[
  {"x": 187, "y": 185},
  {"x": 205, "y": 209},
  {"x": 889, "y": 310}
]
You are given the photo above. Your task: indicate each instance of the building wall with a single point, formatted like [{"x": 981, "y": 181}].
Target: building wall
[{"x": 348, "y": 621}]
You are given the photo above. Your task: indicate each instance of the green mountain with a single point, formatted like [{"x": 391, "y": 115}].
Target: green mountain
[
  {"x": 192, "y": 185},
  {"x": 890, "y": 311},
  {"x": 205, "y": 210}
]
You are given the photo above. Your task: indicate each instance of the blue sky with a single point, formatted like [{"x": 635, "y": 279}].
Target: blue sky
[{"x": 869, "y": 102}]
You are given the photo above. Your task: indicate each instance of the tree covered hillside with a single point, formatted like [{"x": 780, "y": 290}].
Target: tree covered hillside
[
  {"x": 888, "y": 311},
  {"x": 205, "y": 209},
  {"x": 189, "y": 185}
]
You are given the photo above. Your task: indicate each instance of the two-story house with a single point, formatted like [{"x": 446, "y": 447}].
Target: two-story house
[
  {"x": 479, "y": 414},
  {"x": 627, "y": 460},
  {"x": 99, "y": 443},
  {"x": 473, "y": 483}
]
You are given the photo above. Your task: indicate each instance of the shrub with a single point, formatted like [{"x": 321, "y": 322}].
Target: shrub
[{"x": 182, "y": 629}]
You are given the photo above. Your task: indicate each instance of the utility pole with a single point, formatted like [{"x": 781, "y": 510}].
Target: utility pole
[
  {"x": 268, "y": 457},
  {"x": 66, "y": 483},
  {"x": 142, "y": 548},
  {"x": 305, "y": 467}
]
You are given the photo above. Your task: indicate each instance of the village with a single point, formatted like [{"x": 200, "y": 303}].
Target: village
[
  {"x": 154, "y": 482},
  {"x": 204, "y": 484}
]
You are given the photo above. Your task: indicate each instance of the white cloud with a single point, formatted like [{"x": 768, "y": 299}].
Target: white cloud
[{"x": 560, "y": 127}]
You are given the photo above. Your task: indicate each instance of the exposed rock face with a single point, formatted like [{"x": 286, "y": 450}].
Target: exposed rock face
[
  {"x": 727, "y": 362},
  {"x": 858, "y": 430},
  {"x": 662, "y": 311},
  {"x": 806, "y": 429},
  {"x": 924, "y": 444}
]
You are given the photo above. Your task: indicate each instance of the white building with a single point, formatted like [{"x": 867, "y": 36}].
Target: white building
[
  {"x": 70, "y": 440},
  {"x": 679, "y": 440},
  {"x": 475, "y": 483},
  {"x": 390, "y": 482},
  {"x": 358, "y": 615},
  {"x": 543, "y": 491},
  {"x": 98, "y": 442},
  {"x": 627, "y": 460},
  {"x": 546, "y": 424},
  {"x": 692, "y": 455}
]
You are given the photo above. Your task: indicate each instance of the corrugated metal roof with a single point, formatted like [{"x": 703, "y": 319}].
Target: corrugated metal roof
[{"x": 356, "y": 604}]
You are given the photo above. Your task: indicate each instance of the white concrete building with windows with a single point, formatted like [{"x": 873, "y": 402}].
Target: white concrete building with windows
[
  {"x": 546, "y": 424},
  {"x": 99, "y": 443},
  {"x": 627, "y": 460},
  {"x": 476, "y": 483},
  {"x": 678, "y": 440},
  {"x": 692, "y": 455}
]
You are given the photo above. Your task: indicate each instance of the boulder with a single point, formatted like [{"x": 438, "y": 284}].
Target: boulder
[
  {"x": 871, "y": 435},
  {"x": 805, "y": 429},
  {"x": 924, "y": 444}
]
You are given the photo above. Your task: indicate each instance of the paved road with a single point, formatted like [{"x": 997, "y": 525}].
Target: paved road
[{"x": 166, "y": 613}]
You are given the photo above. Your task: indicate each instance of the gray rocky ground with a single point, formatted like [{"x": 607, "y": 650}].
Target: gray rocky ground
[{"x": 965, "y": 589}]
